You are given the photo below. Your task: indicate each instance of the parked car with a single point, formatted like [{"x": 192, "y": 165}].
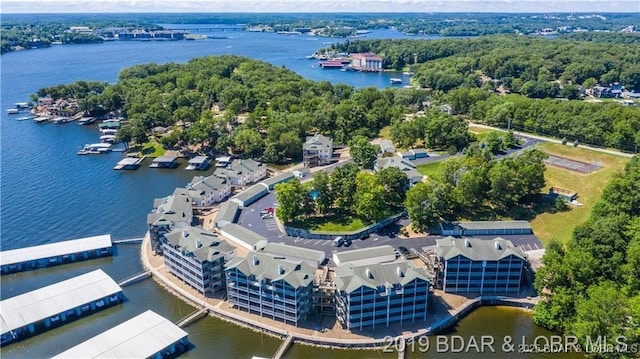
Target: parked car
[
  {"x": 338, "y": 241},
  {"x": 267, "y": 216}
]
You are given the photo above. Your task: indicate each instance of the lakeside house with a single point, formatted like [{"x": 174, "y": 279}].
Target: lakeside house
[
  {"x": 197, "y": 257},
  {"x": 408, "y": 168},
  {"x": 271, "y": 287},
  {"x": 210, "y": 190},
  {"x": 174, "y": 211},
  {"x": 317, "y": 150},
  {"x": 377, "y": 294},
  {"x": 474, "y": 265}
]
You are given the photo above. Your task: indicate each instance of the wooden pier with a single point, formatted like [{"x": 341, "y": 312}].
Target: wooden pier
[
  {"x": 135, "y": 278},
  {"x": 200, "y": 313},
  {"x": 284, "y": 347}
]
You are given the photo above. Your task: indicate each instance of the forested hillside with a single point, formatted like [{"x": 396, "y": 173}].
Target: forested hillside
[{"x": 520, "y": 63}]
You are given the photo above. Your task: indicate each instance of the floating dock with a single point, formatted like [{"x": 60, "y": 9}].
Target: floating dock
[
  {"x": 46, "y": 255},
  {"x": 199, "y": 163},
  {"x": 148, "y": 335},
  {"x": 37, "y": 311},
  {"x": 129, "y": 163},
  {"x": 164, "y": 162}
]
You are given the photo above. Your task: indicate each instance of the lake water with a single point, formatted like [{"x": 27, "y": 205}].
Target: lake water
[{"x": 49, "y": 193}]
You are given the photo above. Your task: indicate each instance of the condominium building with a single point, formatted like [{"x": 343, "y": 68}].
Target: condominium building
[
  {"x": 484, "y": 266},
  {"x": 197, "y": 257},
  {"x": 242, "y": 172},
  {"x": 271, "y": 287},
  {"x": 174, "y": 211},
  {"x": 209, "y": 190},
  {"x": 378, "y": 294},
  {"x": 408, "y": 168}
]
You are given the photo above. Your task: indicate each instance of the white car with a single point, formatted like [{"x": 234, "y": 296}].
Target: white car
[{"x": 267, "y": 215}]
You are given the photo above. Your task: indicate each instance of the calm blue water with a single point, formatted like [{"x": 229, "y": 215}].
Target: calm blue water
[{"x": 48, "y": 193}]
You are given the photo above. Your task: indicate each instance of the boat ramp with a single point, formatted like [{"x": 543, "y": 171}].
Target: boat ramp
[
  {"x": 129, "y": 163},
  {"x": 148, "y": 335},
  {"x": 46, "y": 255},
  {"x": 37, "y": 311}
]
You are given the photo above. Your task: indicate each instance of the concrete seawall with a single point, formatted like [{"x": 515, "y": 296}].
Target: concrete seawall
[{"x": 366, "y": 343}]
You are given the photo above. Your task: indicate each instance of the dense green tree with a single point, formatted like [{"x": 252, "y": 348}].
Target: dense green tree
[
  {"x": 363, "y": 152},
  {"x": 290, "y": 196},
  {"x": 369, "y": 197},
  {"x": 394, "y": 182},
  {"x": 343, "y": 184},
  {"x": 324, "y": 194}
]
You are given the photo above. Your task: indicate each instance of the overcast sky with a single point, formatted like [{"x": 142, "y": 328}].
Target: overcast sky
[{"x": 216, "y": 6}]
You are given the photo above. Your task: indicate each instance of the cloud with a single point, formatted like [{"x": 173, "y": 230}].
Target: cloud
[{"x": 217, "y": 6}]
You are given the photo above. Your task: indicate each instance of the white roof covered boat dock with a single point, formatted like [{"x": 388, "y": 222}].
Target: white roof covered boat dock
[
  {"x": 22, "y": 259},
  {"x": 27, "y": 314},
  {"x": 147, "y": 335}
]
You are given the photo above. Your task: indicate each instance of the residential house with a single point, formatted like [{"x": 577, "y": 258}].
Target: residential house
[
  {"x": 408, "y": 168},
  {"x": 386, "y": 146},
  {"x": 271, "y": 287},
  {"x": 197, "y": 257},
  {"x": 483, "y": 266},
  {"x": 317, "y": 150},
  {"x": 377, "y": 294}
]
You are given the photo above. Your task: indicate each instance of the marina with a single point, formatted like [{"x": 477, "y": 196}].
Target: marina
[
  {"x": 148, "y": 335},
  {"x": 46, "y": 255},
  {"x": 29, "y": 155},
  {"x": 37, "y": 311}
]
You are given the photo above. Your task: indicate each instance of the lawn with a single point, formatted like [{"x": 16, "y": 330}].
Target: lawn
[
  {"x": 385, "y": 133},
  {"x": 332, "y": 223},
  {"x": 589, "y": 187},
  {"x": 482, "y": 133},
  {"x": 429, "y": 169},
  {"x": 150, "y": 149}
]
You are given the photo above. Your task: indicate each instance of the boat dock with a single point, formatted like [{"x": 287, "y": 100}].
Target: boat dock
[
  {"x": 135, "y": 278},
  {"x": 332, "y": 64},
  {"x": 199, "y": 163},
  {"x": 129, "y": 163},
  {"x": 148, "y": 335},
  {"x": 200, "y": 313},
  {"x": 46, "y": 255},
  {"x": 286, "y": 344},
  {"x": 164, "y": 162},
  {"x": 95, "y": 149},
  {"x": 42, "y": 119},
  {"x": 37, "y": 311}
]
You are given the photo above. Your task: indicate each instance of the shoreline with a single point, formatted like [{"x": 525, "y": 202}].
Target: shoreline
[{"x": 219, "y": 309}]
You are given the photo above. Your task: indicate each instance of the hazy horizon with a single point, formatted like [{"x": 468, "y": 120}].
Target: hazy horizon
[{"x": 316, "y": 6}]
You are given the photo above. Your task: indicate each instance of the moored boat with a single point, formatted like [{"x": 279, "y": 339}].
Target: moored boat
[
  {"x": 12, "y": 111},
  {"x": 95, "y": 148},
  {"x": 395, "y": 80},
  {"x": 42, "y": 119}
]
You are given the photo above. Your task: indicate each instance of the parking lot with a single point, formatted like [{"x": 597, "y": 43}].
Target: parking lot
[{"x": 251, "y": 218}]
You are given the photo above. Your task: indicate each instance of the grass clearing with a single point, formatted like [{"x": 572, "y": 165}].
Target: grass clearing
[
  {"x": 589, "y": 187},
  {"x": 332, "y": 223},
  {"x": 385, "y": 133},
  {"x": 429, "y": 169},
  {"x": 150, "y": 149}
]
